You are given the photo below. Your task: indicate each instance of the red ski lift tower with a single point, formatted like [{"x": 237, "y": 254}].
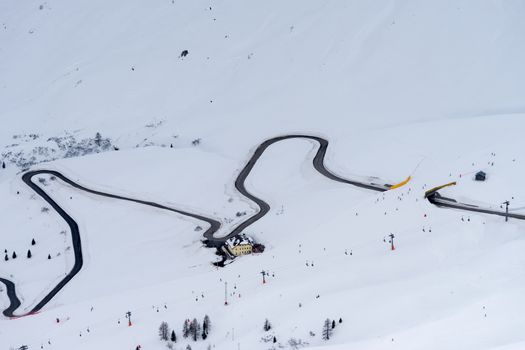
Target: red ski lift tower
[{"x": 392, "y": 241}]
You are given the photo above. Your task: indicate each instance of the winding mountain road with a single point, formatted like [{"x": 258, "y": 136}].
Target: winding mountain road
[
  {"x": 318, "y": 163},
  {"x": 214, "y": 225}
]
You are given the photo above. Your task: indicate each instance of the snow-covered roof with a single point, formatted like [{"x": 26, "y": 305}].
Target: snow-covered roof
[{"x": 239, "y": 240}]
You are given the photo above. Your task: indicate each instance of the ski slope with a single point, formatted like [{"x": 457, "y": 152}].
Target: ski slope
[{"x": 432, "y": 90}]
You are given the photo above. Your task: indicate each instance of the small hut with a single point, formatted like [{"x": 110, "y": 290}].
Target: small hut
[{"x": 481, "y": 176}]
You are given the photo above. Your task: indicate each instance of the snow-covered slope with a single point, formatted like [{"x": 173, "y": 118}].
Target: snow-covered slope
[
  {"x": 259, "y": 68},
  {"x": 429, "y": 89}
]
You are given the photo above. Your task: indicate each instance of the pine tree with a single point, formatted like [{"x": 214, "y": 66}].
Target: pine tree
[
  {"x": 340, "y": 320},
  {"x": 274, "y": 339},
  {"x": 333, "y": 324},
  {"x": 14, "y": 255},
  {"x": 173, "y": 337},
  {"x": 3, "y": 165},
  {"x": 164, "y": 331},
  {"x": 267, "y": 325},
  {"x": 186, "y": 328},
  {"x": 33, "y": 242},
  {"x": 29, "y": 254},
  {"x": 327, "y": 329},
  {"x": 48, "y": 256},
  {"x": 206, "y": 325},
  {"x": 6, "y": 258}
]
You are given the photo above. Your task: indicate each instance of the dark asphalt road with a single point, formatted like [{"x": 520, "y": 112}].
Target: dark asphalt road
[
  {"x": 14, "y": 302},
  {"x": 318, "y": 163},
  {"x": 445, "y": 202},
  {"x": 75, "y": 234},
  {"x": 214, "y": 225}
]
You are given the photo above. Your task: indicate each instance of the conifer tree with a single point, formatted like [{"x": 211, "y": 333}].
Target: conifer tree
[
  {"x": 206, "y": 325},
  {"x": 6, "y": 258},
  {"x": 33, "y": 242},
  {"x": 14, "y": 255},
  {"x": 173, "y": 337},
  {"x": 29, "y": 254}
]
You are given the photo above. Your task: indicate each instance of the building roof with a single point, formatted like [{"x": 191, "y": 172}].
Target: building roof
[{"x": 239, "y": 240}]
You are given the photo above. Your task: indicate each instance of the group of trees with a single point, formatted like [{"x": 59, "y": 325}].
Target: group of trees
[
  {"x": 164, "y": 333},
  {"x": 328, "y": 328},
  {"x": 14, "y": 255},
  {"x": 267, "y": 326},
  {"x": 294, "y": 343},
  {"x": 194, "y": 330},
  {"x": 190, "y": 329}
]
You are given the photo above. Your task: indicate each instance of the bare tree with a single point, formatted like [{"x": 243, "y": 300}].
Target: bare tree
[
  {"x": 98, "y": 139},
  {"x": 195, "y": 329},
  {"x": 186, "y": 328},
  {"x": 267, "y": 325},
  {"x": 327, "y": 329},
  {"x": 164, "y": 331}
]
